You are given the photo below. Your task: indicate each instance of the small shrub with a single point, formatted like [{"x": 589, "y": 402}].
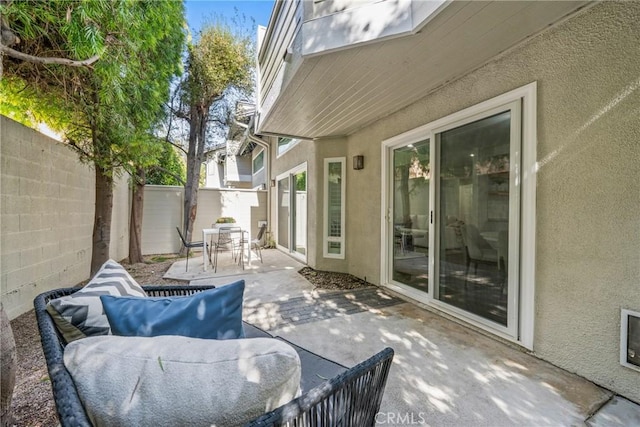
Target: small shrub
[{"x": 225, "y": 220}]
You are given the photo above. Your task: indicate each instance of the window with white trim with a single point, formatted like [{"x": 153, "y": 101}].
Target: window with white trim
[
  {"x": 285, "y": 144},
  {"x": 334, "y": 206},
  {"x": 258, "y": 162}
]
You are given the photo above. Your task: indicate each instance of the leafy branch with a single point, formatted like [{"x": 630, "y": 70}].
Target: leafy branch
[{"x": 49, "y": 60}]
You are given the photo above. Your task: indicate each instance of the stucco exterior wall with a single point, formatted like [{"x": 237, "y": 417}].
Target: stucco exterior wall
[
  {"x": 48, "y": 200},
  {"x": 214, "y": 174},
  {"x": 588, "y": 191},
  {"x": 318, "y": 9}
]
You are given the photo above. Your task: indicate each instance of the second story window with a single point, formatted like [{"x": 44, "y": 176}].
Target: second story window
[
  {"x": 285, "y": 144},
  {"x": 258, "y": 162}
]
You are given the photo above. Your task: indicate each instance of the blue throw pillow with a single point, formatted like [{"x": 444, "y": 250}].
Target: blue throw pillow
[{"x": 211, "y": 314}]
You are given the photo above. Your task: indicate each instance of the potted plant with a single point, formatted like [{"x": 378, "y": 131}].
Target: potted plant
[{"x": 225, "y": 220}]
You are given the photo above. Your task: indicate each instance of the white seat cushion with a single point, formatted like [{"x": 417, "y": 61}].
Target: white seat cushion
[{"x": 175, "y": 380}]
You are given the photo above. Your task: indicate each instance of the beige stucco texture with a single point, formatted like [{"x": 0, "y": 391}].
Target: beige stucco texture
[{"x": 587, "y": 70}]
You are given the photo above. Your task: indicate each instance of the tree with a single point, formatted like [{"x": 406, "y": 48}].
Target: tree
[
  {"x": 218, "y": 61},
  {"x": 109, "y": 65},
  {"x": 167, "y": 169}
]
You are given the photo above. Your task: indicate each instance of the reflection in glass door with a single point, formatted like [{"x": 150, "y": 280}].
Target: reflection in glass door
[
  {"x": 475, "y": 198},
  {"x": 411, "y": 215},
  {"x": 292, "y": 212}
]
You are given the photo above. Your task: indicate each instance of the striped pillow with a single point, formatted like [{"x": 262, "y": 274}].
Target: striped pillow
[{"x": 81, "y": 314}]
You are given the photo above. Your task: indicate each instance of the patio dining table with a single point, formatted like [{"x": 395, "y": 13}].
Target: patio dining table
[{"x": 214, "y": 233}]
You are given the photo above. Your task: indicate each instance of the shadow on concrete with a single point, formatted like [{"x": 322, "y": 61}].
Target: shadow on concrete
[{"x": 443, "y": 372}]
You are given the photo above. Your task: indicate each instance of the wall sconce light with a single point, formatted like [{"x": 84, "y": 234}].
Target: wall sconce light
[
  {"x": 273, "y": 182},
  {"x": 358, "y": 162}
]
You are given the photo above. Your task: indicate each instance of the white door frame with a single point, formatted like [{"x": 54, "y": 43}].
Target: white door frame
[{"x": 522, "y": 327}]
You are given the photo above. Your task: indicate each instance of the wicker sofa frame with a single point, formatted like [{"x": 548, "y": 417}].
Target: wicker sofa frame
[{"x": 351, "y": 397}]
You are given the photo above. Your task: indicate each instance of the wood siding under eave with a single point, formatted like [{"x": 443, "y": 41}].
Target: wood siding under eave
[{"x": 337, "y": 93}]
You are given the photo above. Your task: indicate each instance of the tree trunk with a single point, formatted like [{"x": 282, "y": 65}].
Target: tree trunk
[
  {"x": 404, "y": 193},
  {"x": 135, "y": 226},
  {"x": 102, "y": 219},
  {"x": 195, "y": 155},
  {"x": 7, "y": 368}
]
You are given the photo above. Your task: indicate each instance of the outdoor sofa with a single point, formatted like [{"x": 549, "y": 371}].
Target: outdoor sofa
[{"x": 332, "y": 394}]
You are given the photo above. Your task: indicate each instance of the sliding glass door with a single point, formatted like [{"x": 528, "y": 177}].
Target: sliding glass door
[
  {"x": 292, "y": 212},
  {"x": 411, "y": 214},
  {"x": 453, "y": 223},
  {"x": 478, "y": 215}
]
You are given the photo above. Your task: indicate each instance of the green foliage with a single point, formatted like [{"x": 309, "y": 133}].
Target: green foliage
[
  {"x": 106, "y": 110},
  {"x": 225, "y": 220},
  {"x": 169, "y": 168},
  {"x": 68, "y": 28},
  {"x": 301, "y": 182},
  {"x": 23, "y": 104},
  {"x": 221, "y": 58}
]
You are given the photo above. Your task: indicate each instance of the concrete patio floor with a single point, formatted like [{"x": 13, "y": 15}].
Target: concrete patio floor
[{"x": 443, "y": 374}]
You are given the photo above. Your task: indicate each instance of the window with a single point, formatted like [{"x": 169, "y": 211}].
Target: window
[
  {"x": 630, "y": 339},
  {"x": 285, "y": 144},
  {"x": 334, "y": 189},
  {"x": 258, "y": 162}
]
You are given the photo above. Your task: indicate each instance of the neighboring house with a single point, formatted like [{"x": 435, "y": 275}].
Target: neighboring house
[
  {"x": 480, "y": 158},
  {"x": 230, "y": 165}
]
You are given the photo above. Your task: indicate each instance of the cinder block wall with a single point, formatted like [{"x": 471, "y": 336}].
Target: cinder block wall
[
  {"x": 47, "y": 207},
  {"x": 46, "y": 222}
]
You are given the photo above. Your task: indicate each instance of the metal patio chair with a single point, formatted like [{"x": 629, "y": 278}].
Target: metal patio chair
[
  {"x": 188, "y": 245},
  {"x": 225, "y": 241},
  {"x": 254, "y": 244}
]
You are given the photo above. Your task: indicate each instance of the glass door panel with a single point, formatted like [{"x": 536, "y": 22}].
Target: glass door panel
[
  {"x": 292, "y": 212},
  {"x": 411, "y": 215},
  {"x": 284, "y": 201},
  {"x": 299, "y": 211},
  {"x": 475, "y": 167}
]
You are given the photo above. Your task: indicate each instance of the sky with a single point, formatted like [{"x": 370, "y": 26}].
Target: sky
[{"x": 199, "y": 10}]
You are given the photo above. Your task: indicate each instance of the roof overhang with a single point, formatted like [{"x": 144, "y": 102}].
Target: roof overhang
[{"x": 330, "y": 85}]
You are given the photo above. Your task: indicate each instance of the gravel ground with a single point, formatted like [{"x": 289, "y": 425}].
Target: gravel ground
[
  {"x": 32, "y": 404},
  {"x": 331, "y": 280}
]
